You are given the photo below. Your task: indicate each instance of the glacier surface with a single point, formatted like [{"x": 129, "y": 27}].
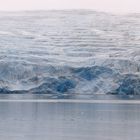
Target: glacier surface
[{"x": 64, "y": 52}]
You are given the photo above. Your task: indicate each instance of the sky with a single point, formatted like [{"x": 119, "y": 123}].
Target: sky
[{"x": 114, "y": 6}]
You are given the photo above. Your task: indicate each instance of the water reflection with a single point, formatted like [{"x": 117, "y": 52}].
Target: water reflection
[
  {"x": 69, "y": 96},
  {"x": 69, "y": 121}
]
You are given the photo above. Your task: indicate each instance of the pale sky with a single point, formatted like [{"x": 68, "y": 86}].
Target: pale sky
[{"x": 116, "y": 6}]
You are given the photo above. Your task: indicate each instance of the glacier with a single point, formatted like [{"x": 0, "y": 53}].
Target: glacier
[{"x": 69, "y": 52}]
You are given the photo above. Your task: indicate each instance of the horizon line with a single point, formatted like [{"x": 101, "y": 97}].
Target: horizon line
[{"x": 72, "y": 9}]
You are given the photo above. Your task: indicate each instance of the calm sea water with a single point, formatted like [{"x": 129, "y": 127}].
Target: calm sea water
[{"x": 71, "y": 121}]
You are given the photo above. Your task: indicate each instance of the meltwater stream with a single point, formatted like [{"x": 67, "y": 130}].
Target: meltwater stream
[{"x": 67, "y": 52}]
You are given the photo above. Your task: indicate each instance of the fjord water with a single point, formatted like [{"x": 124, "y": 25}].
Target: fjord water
[
  {"x": 62, "y": 52},
  {"x": 69, "y": 121}
]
